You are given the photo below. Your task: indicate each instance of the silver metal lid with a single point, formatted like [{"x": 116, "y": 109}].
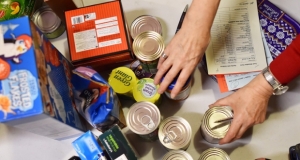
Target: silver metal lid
[
  {"x": 46, "y": 20},
  {"x": 145, "y": 23},
  {"x": 177, "y": 155},
  {"x": 214, "y": 154},
  {"x": 143, "y": 118},
  {"x": 175, "y": 133},
  {"x": 213, "y": 114},
  {"x": 148, "y": 46}
]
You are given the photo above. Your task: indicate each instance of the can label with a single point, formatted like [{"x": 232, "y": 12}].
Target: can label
[
  {"x": 150, "y": 66},
  {"x": 138, "y": 70},
  {"x": 10, "y": 9},
  {"x": 182, "y": 95}
]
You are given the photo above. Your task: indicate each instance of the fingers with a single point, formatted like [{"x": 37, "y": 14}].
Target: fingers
[
  {"x": 161, "y": 60},
  {"x": 236, "y": 130},
  {"x": 181, "y": 80},
  {"x": 168, "y": 78},
  {"x": 220, "y": 102},
  {"x": 232, "y": 132},
  {"x": 165, "y": 65}
]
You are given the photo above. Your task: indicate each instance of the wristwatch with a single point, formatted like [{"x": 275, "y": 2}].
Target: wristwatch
[{"x": 278, "y": 88}]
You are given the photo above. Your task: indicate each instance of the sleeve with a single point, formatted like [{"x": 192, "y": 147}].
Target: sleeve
[{"x": 286, "y": 66}]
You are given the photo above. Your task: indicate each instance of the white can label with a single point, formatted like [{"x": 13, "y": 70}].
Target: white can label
[{"x": 149, "y": 90}]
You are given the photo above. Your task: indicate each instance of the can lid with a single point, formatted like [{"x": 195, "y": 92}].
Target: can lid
[
  {"x": 148, "y": 46},
  {"x": 145, "y": 23},
  {"x": 143, "y": 117},
  {"x": 46, "y": 20},
  {"x": 175, "y": 132},
  {"x": 145, "y": 90},
  {"x": 214, "y": 153},
  {"x": 122, "y": 80},
  {"x": 176, "y": 155},
  {"x": 211, "y": 116}
]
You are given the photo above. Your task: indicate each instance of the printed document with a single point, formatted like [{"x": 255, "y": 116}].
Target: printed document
[
  {"x": 236, "y": 43},
  {"x": 230, "y": 82}
]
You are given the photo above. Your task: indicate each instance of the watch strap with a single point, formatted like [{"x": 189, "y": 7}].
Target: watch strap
[{"x": 278, "y": 88}]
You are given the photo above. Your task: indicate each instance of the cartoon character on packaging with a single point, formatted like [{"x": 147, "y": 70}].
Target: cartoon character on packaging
[{"x": 13, "y": 48}]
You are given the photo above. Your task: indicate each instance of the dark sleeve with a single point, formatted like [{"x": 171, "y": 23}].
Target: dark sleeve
[{"x": 286, "y": 66}]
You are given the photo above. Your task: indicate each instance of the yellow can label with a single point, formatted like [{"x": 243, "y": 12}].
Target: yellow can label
[
  {"x": 122, "y": 80},
  {"x": 146, "y": 90}
]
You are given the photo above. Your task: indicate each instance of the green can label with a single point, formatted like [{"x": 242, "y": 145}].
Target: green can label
[{"x": 10, "y": 9}]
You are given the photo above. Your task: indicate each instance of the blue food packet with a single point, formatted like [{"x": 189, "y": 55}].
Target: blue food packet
[
  {"x": 87, "y": 147},
  {"x": 95, "y": 100}
]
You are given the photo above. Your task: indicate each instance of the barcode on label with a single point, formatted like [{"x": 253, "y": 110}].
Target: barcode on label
[
  {"x": 77, "y": 19},
  {"x": 122, "y": 157}
]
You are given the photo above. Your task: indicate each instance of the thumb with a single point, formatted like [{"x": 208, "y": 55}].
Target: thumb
[{"x": 220, "y": 102}]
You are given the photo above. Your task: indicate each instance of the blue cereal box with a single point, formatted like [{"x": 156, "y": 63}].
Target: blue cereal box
[{"x": 35, "y": 79}]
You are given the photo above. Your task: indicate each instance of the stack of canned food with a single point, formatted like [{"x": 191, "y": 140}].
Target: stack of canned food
[
  {"x": 148, "y": 46},
  {"x": 175, "y": 133},
  {"x": 144, "y": 117}
]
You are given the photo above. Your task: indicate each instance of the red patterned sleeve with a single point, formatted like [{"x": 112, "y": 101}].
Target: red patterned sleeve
[{"x": 286, "y": 66}]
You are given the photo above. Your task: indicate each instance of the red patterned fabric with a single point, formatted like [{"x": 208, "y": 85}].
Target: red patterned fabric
[{"x": 286, "y": 66}]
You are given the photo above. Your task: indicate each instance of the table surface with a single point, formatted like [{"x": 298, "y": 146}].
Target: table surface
[{"x": 270, "y": 139}]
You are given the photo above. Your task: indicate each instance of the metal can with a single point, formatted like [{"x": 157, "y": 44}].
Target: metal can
[
  {"x": 143, "y": 118},
  {"x": 145, "y": 23},
  {"x": 175, "y": 133},
  {"x": 122, "y": 80},
  {"x": 183, "y": 94},
  {"x": 214, "y": 153},
  {"x": 48, "y": 22},
  {"x": 146, "y": 90},
  {"x": 208, "y": 130},
  {"x": 137, "y": 68},
  {"x": 148, "y": 47},
  {"x": 177, "y": 155}
]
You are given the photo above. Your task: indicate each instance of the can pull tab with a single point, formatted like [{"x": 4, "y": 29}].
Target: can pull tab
[
  {"x": 170, "y": 137},
  {"x": 149, "y": 125}
]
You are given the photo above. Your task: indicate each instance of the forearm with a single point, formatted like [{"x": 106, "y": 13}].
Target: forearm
[
  {"x": 200, "y": 15},
  {"x": 286, "y": 66}
]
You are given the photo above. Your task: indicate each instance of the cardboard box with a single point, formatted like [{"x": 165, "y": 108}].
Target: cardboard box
[
  {"x": 35, "y": 88},
  {"x": 98, "y": 36},
  {"x": 116, "y": 144}
]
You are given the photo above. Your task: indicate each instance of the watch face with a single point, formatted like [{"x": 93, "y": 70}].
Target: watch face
[{"x": 280, "y": 90}]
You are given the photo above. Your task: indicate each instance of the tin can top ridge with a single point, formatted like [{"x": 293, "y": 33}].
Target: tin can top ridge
[
  {"x": 177, "y": 155},
  {"x": 214, "y": 154},
  {"x": 46, "y": 20},
  {"x": 148, "y": 46},
  {"x": 145, "y": 23},
  {"x": 175, "y": 133},
  {"x": 143, "y": 117},
  {"x": 211, "y": 116}
]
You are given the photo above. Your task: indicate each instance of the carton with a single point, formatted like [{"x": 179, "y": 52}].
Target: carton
[
  {"x": 35, "y": 86},
  {"x": 116, "y": 144},
  {"x": 98, "y": 36}
]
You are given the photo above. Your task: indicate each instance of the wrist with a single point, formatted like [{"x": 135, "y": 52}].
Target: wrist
[
  {"x": 278, "y": 88},
  {"x": 261, "y": 85}
]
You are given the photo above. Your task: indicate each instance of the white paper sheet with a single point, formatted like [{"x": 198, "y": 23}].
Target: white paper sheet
[{"x": 236, "y": 44}]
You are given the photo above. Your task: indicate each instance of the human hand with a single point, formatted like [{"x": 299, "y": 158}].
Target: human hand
[
  {"x": 188, "y": 45},
  {"x": 184, "y": 53},
  {"x": 249, "y": 106}
]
